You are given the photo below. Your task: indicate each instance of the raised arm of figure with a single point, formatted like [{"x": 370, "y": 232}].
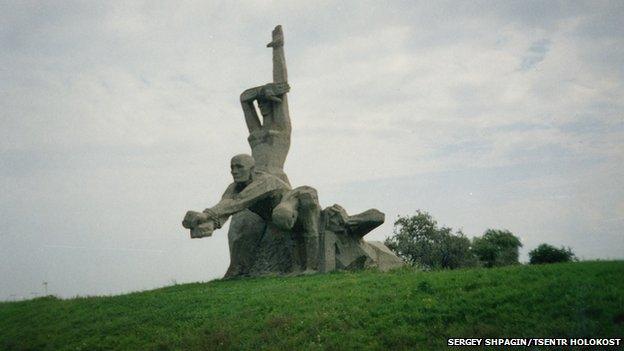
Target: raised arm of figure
[
  {"x": 249, "y": 110},
  {"x": 280, "y": 74},
  {"x": 280, "y": 116}
]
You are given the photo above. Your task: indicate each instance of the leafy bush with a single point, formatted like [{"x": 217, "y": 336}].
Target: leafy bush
[
  {"x": 549, "y": 254},
  {"x": 496, "y": 248},
  {"x": 420, "y": 242}
]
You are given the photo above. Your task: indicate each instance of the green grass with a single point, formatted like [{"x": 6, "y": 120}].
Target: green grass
[{"x": 404, "y": 309}]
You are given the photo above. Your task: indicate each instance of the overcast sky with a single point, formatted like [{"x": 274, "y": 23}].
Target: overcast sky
[{"x": 117, "y": 117}]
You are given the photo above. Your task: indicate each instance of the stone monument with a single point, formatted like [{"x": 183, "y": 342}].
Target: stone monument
[{"x": 277, "y": 229}]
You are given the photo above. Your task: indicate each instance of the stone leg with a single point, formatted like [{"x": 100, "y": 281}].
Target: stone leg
[
  {"x": 246, "y": 230},
  {"x": 300, "y": 208},
  {"x": 309, "y": 216},
  {"x": 327, "y": 251},
  {"x": 276, "y": 253}
]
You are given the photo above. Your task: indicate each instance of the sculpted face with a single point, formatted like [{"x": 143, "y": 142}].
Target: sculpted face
[{"x": 242, "y": 168}]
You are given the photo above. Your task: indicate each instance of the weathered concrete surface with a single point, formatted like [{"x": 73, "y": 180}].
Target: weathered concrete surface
[
  {"x": 384, "y": 258},
  {"x": 299, "y": 212},
  {"x": 269, "y": 139},
  {"x": 342, "y": 246},
  {"x": 327, "y": 251},
  {"x": 246, "y": 231},
  {"x": 276, "y": 253},
  {"x": 276, "y": 229}
]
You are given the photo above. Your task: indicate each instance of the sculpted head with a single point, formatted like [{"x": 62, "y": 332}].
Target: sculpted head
[{"x": 242, "y": 168}]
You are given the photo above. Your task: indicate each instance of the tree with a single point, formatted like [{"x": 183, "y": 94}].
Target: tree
[
  {"x": 549, "y": 254},
  {"x": 454, "y": 250},
  {"x": 419, "y": 241},
  {"x": 496, "y": 248}
]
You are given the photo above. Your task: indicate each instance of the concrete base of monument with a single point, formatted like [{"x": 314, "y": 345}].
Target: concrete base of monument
[{"x": 259, "y": 248}]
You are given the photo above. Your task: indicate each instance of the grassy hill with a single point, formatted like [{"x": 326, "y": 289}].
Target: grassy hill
[{"x": 404, "y": 309}]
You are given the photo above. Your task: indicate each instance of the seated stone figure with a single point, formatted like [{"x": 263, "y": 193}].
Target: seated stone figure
[
  {"x": 293, "y": 234},
  {"x": 261, "y": 193},
  {"x": 251, "y": 189}
]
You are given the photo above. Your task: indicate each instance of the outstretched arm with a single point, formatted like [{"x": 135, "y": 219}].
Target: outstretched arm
[
  {"x": 232, "y": 202},
  {"x": 202, "y": 224}
]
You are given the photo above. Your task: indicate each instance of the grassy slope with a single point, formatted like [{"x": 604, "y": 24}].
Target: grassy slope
[{"x": 367, "y": 310}]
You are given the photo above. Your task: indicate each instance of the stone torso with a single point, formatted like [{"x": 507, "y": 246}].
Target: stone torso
[{"x": 269, "y": 148}]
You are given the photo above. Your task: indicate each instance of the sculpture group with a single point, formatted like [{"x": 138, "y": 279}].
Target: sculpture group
[{"x": 277, "y": 229}]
